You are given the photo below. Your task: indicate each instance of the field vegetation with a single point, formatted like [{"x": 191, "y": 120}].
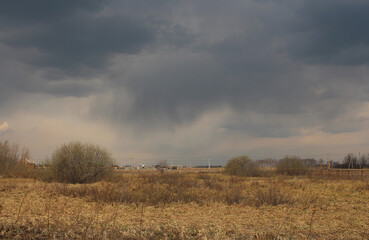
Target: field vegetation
[
  {"x": 187, "y": 205},
  {"x": 256, "y": 203}
]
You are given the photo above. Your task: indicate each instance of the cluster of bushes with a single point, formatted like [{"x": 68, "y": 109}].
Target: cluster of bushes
[
  {"x": 244, "y": 166},
  {"x": 73, "y": 162}
]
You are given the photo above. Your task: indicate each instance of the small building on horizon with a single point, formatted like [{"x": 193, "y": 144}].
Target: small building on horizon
[{"x": 27, "y": 162}]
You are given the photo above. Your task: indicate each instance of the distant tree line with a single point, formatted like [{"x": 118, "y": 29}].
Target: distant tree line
[
  {"x": 272, "y": 162},
  {"x": 244, "y": 166},
  {"x": 352, "y": 161},
  {"x": 290, "y": 165}
]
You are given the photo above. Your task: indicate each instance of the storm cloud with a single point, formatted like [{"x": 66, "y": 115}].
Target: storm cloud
[
  {"x": 332, "y": 32},
  {"x": 156, "y": 72},
  {"x": 71, "y": 35}
]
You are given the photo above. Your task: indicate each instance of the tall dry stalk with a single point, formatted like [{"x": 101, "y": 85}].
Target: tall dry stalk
[
  {"x": 141, "y": 217},
  {"x": 92, "y": 220},
  {"x": 21, "y": 205},
  {"x": 48, "y": 208},
  {"x": 284, "y": 221},
  {"x": 311, "y": 223}
]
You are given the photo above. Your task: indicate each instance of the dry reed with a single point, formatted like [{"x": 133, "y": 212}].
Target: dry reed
[{"x": 213, "y": 206}]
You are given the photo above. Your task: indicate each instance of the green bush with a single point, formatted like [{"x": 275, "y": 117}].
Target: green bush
[
  {"x": 242, "y": 166},
  {"x": 291, "y": 166},
  {"x": 76, "y": 162}
]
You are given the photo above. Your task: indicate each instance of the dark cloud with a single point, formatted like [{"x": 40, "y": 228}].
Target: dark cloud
[
  {"x": 68, "y": 39},
  {"x": 79, "y": 37},
  {"x": 278, "y": 65},
  {"x": 253, "y": 71},
  {"x": 77, "y": 42},
  {"x": 265, "y": 125},
  {"x": 332, "y": 32},
  {"x": 72, "y": 42},
  {"x": 42, "y": 11}
]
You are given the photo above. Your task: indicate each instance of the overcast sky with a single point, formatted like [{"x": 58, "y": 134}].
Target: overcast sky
[{"x": 183, "y": 80}]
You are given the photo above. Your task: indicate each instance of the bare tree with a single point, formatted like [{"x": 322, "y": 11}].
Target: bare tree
[
  {"x": 350, "y": 160},
  {"x": 9, "y": 156},
  {"x": 25, "y": 153},
  {"x": 363, "y": 161}
]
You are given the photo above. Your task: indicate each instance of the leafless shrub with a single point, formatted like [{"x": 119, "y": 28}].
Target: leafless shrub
[
  {"x": 292, "y": 166},
  {"x": 269, "y": 193},
  {"x": 271, "y": 196},
  {"x": 242, "y": 166},
  {"x": 234, "y": 196},
  {"x": 76, "y": 162}
]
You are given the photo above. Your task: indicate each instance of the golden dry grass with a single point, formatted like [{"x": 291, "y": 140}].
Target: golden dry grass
[{"x": 132, "y": 206}]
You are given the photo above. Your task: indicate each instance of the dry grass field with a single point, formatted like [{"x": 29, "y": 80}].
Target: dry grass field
[{"x": 186, "y": 205}]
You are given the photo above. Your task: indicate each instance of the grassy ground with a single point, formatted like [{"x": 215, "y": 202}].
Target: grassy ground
[{"x": 193, "y": 205}]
